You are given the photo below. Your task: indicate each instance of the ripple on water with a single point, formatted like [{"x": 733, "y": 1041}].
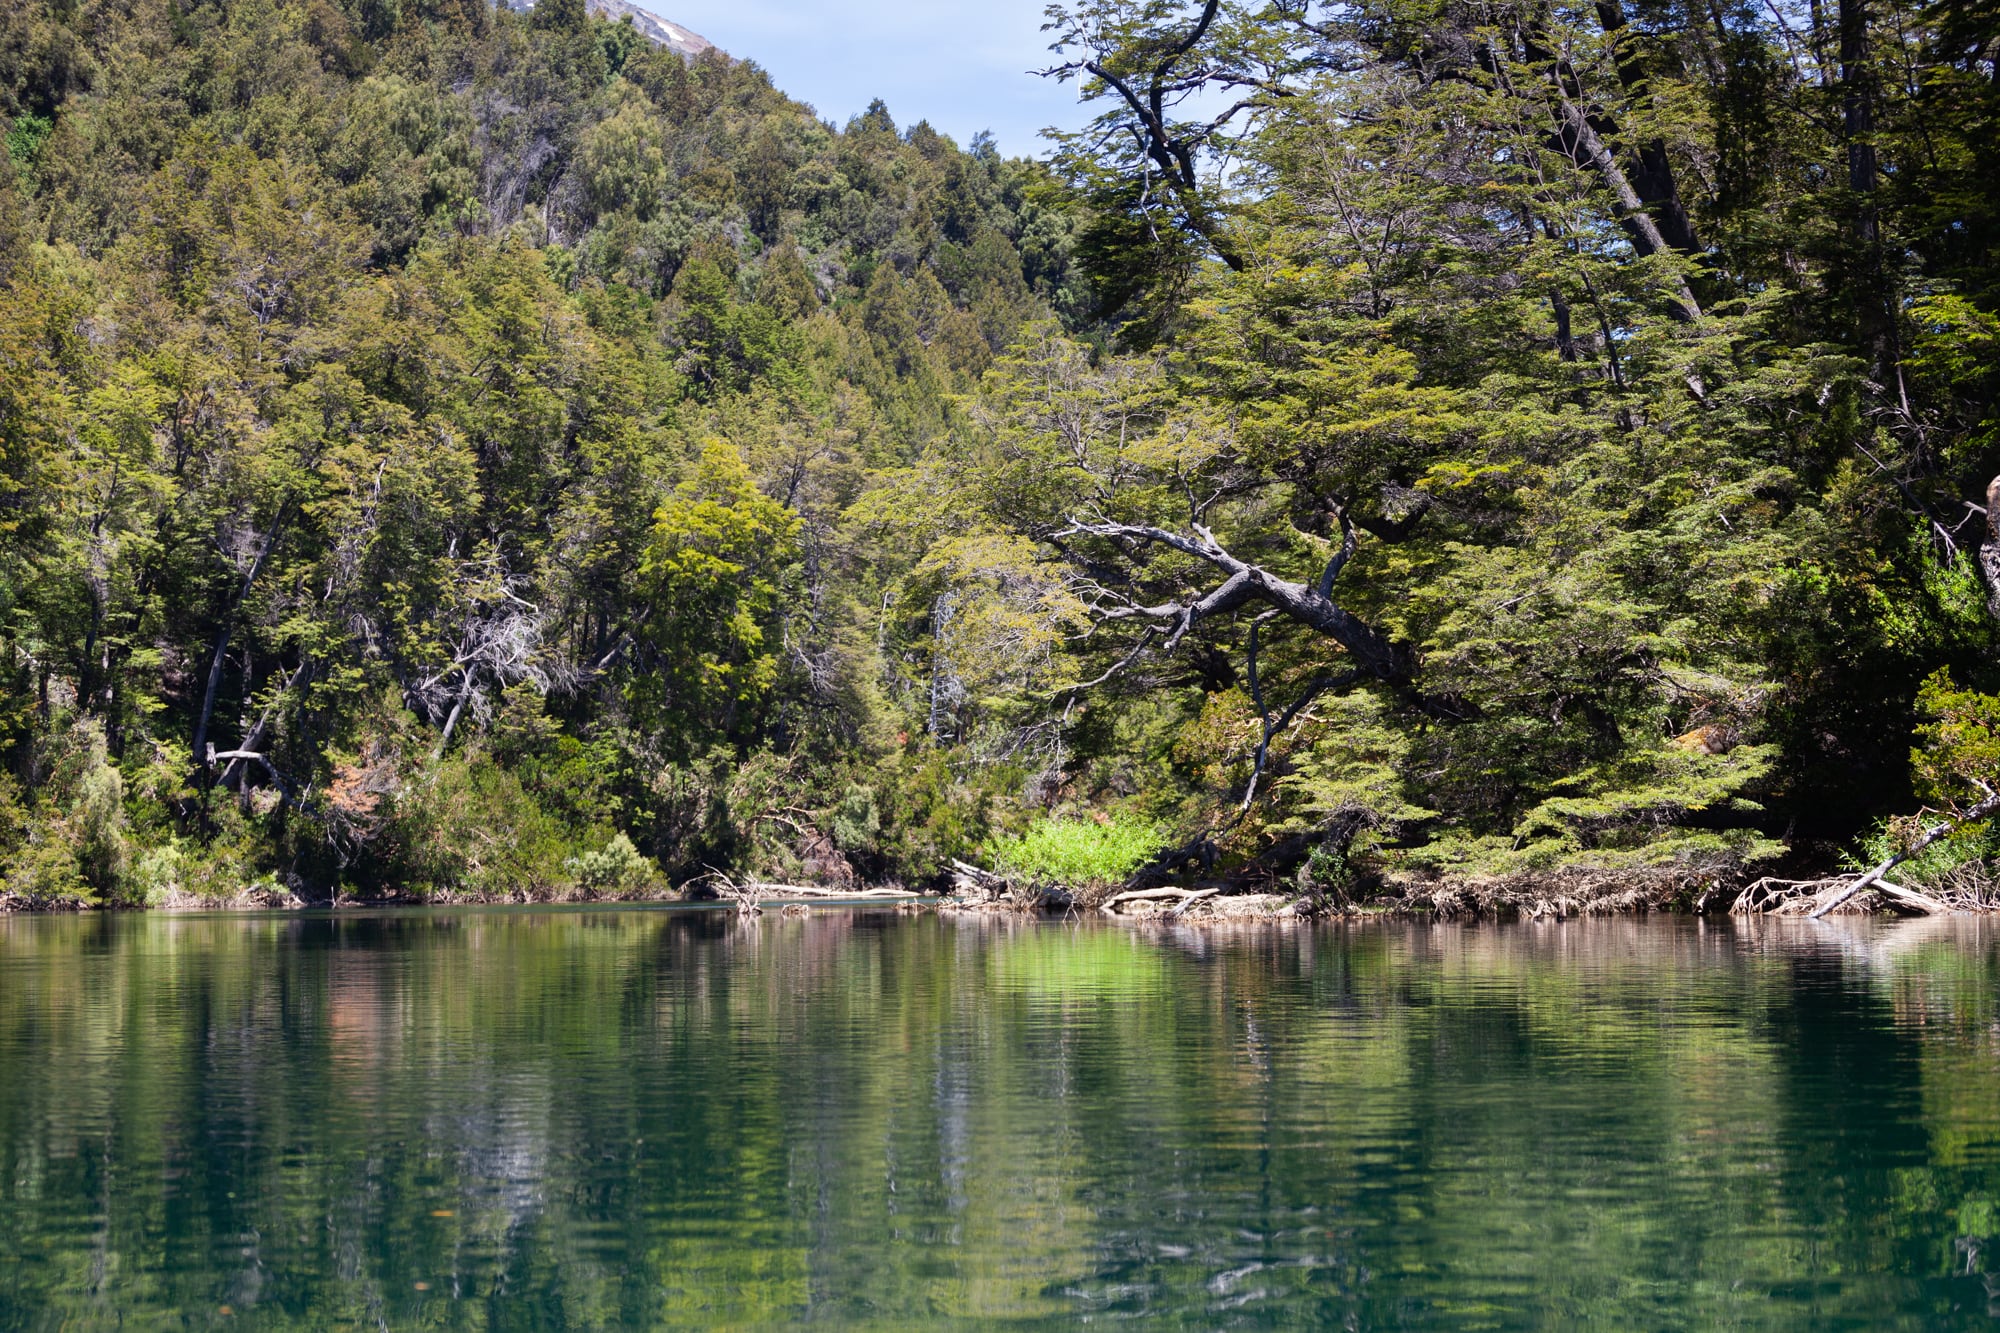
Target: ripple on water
[{"x": 556, "y": 1118}]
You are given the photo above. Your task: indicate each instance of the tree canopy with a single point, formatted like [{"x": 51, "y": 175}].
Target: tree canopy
[{"x": 442, "y": 449}]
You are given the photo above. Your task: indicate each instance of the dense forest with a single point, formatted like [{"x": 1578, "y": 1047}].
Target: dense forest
[{"x": 453, "y": 452}]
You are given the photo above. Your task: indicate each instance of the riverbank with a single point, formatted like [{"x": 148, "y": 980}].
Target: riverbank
[{"x": 1552, "y": 897}]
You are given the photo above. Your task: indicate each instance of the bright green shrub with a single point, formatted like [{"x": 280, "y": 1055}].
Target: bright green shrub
[
  {"x": 617, "y": 869},
  {"x": 1077, "y": 852}
]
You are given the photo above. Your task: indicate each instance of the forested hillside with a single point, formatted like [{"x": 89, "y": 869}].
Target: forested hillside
[{"x": 446, "y": 451}]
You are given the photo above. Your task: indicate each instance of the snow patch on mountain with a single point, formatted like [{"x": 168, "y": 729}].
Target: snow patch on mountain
[{"x": 663, "y": 32}]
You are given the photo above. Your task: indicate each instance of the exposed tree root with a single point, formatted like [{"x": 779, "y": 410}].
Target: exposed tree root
[
  {"x": 1815, "y": 898},
  {"x": 256, "y": 898},
  {"x": 21, "y": 902},
  {"x": 1548, "y": 896},
  {"x": 1818, "y": 898}
]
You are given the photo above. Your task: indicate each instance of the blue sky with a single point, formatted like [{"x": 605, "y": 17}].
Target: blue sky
[{"x": 960, "y": 64}]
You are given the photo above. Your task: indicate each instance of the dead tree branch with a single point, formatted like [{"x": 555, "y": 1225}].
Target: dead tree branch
[
  {"x": 1375, "y": 655},
  {"x": 1931, "y": 836}
]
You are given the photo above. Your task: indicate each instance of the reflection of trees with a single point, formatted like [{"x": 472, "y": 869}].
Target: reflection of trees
[{"x": 635, "y": 1117}]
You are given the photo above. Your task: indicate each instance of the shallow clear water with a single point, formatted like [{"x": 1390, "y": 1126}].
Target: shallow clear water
[{"x": 538, "y": 1119}]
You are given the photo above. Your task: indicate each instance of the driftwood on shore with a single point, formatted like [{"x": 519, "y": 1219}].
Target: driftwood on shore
[
  {"x": 977, "y": 887},
  {"x": 973, "y": 881},
  {"x": 842, "y": 895},
  {"x": 1816, "y": 898},
  {"x": 1187, "y": 898},
  {"x": 751, "y": 895},
  {"x": 1874, "y": 878}
]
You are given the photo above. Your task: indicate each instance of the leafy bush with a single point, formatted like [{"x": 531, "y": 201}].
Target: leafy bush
[
  {"x": 1958, "y": 760},
  {"x": 932, "y": 810},
  {"x": 1956, "y": 766},
  {"x": 67, "y": 839},
  {"x": 157, "y": 875},
  {"x": 1963, "y": 862},
  {"x": 467, "y": 828},
  {"x": 617, "y": 869},
  {"x": 857, "y": 821},
  {"x": 1077, "y": 852}
]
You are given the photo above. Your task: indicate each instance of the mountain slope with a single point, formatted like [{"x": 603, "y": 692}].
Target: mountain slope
[
  {"x": 441, "y": 311},
  {"x": 661, "y": 32}
]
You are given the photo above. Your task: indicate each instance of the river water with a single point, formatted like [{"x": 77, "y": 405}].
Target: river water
[{"x": 588, "y": 1118}]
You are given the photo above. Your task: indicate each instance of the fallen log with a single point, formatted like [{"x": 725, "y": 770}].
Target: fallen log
[
  {"x": 1910, "y": 898},
  {"x": 1191, "y": 900},
  {"x": 1187, "y": 898},
  {"x": 1143, "y": 895},
  {"x": 966, "y": 876},
  {"x": 1936, "y": 833},
  {"x": 851, "y": 895}
]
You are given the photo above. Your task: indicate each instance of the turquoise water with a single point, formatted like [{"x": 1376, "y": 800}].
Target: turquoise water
[{"x": 637, "y": 1118}]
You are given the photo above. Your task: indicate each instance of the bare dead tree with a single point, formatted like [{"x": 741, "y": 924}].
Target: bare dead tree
[
  {"x": 1373, "y": 655},
  {"x": 1989, "y": 552},
  {"x": 1242, "y": 583},
  {"x": 499, "y": 643}
]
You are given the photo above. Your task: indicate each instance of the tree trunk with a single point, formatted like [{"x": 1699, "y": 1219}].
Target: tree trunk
[
  {"x": 1372, "y": 652},
  {"x": 220, "y": 657},
  {"x": 256, "y": 736},
  {"x": 1989, "y": 554},
  {"x": 1986, "y": 809},
  {"x": 1649, "y": 203},
  {"x": 1857, "y": 113},
  {"x": 1877, "y": 315},
  {"x": 451, "y": 722},
  {"x": 1583, "y": 144},
  {"x": 1653, "y": 172}
]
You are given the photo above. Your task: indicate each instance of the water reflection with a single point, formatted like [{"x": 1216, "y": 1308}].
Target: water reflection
[{"x": 585, "y": 1118}]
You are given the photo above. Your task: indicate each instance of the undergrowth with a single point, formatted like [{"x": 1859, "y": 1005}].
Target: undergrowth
[{"x": 1076, "y": 853}]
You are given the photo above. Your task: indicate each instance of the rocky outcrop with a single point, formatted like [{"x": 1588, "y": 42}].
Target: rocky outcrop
[{"x": 663, "y": 32}]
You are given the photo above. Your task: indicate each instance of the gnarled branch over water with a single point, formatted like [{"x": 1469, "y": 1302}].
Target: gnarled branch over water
[
  {"x": 1243, "y": 583},
  {"x": 1931, "y": 836}
]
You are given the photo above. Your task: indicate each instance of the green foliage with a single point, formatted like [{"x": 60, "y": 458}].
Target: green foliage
[
  {"x": 1586, "y": 463},
  {"x": 1958, "y": 756},
  {"x": 935, "y": 811},
  {"x": 69, "y": 839},
  {"x": 559, "y": 16},
  {"x": 467, "y": 829},
  {"x": 469, "y": 422},
  {"x": 23, "y": 144},
  {"x": 623, "y": 159},
  {"x": 616, "y": 870},
  {"x": 711, "y": 575},
  {"x": 1077, "y": 853},
  {"x": 401, "y": 404},
  {"x": 857, "y": 821},
  {"x": 159, "y": 875},
  {"x": 1963, "y": 861}
]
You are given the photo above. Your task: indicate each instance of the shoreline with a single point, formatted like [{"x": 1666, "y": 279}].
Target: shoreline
[{"x": 1464, "y": 901}]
